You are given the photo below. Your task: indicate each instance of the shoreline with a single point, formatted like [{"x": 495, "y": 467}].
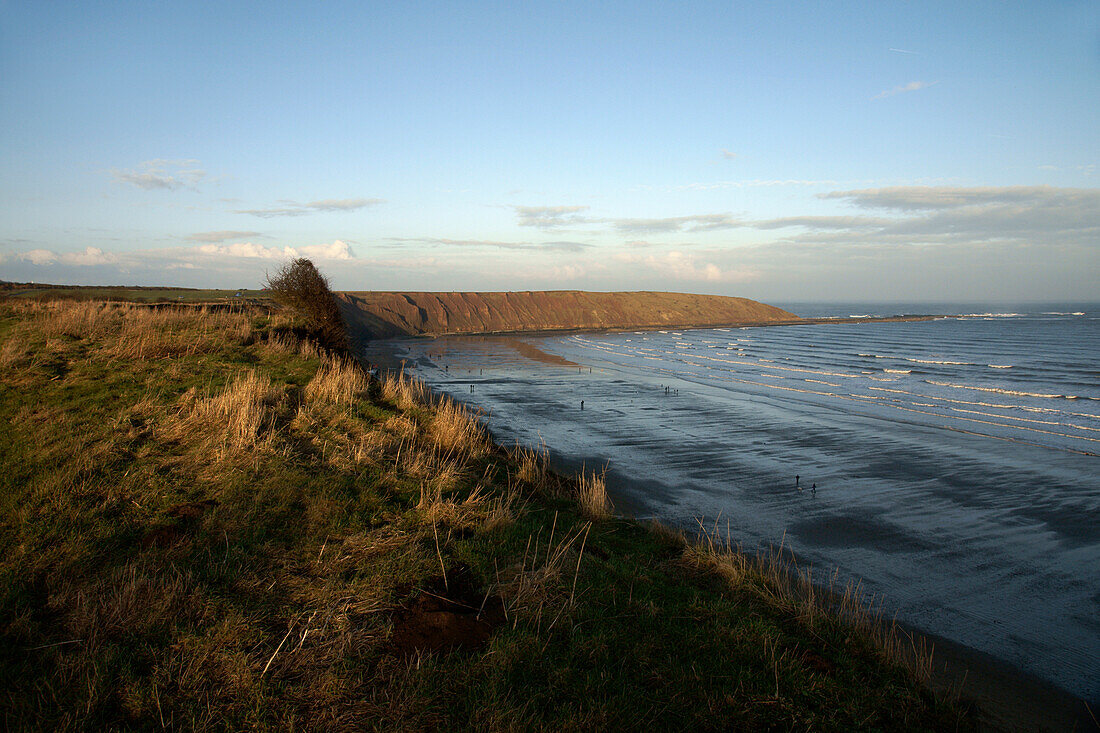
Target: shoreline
[{"x": 1006, "y": 697}]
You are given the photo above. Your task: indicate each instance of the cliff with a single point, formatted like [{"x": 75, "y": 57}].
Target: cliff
[{"x": 381, "y": 314}]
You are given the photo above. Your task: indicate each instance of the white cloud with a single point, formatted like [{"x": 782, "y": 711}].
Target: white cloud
[
  {"x": 823, "y": 222},
  {"x": 548, "y": 217},
  {"x": 87, "y": 257},
  {"x": 293, "y": 208},
  {"x": 922, "y": 215},
  {"x": 911, "y": 198},
  {"x": 90, "y": 256},
  {"x": 695, "y": 223},
  {"x": 162, "y": 174},
  {"x": 677, "y": 265},
  {"x": 337, "y": 250},
  {"x": 728, "y": 155},
  {"x": 246, "y": 249},
  {"x": 341, "y": 204},
  {"x": 910, "y": 87},
  {"x": 39, "y": 257}
]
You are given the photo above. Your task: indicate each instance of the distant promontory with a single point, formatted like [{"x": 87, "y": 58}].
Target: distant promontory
[{"x": 388, "y": 314}]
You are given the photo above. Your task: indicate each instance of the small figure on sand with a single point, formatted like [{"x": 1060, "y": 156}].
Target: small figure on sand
[
  {"x": 582, "y": 404},
  {"x": 796, "y": 479},
  {"x": 813, "y": 489}
]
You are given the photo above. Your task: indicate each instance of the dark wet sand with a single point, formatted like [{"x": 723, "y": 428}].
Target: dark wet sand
[
  {"x": 386, "y": 354},
  {"x": 1006, "y": 698}
]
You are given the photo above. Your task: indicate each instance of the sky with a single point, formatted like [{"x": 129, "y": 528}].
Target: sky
[{"x": 907, "y": 151}]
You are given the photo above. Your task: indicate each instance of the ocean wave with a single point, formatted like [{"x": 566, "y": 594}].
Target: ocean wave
[
  {"x": 1062, "y": 313},
  {"x": 898, "y": 371},
  {"x": 994, "y": 405},
  {"x": 917, "y": 361},
  {"x": 933, "y": 361},
  {"x": 991, "y": 315},
  {"x": 999, "y": 366},
  {"x": 1017, "y": 393}
]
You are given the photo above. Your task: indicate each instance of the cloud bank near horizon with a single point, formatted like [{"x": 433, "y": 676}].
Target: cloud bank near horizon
[{"x": 980, "y": 240}]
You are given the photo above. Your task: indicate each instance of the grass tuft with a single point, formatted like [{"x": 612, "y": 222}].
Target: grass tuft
[{"x": 591, "y": 495}]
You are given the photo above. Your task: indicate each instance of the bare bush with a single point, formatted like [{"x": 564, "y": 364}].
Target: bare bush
[{"x": 301, "y": 286}]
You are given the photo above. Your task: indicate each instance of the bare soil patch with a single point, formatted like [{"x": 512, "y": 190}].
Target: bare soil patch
[{"x": 450, "y": 613}]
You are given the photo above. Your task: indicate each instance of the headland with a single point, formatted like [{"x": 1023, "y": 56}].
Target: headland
[{"x": 388, "y": 314}]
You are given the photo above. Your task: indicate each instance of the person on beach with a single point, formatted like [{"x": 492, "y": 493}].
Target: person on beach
[
  {"x": 582, "y": 404},
  {"x": 796, "y": 478},
  {"x": 813, "y": 489}
]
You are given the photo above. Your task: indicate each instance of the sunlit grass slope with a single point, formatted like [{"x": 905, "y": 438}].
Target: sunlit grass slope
[{"x": 208, "y": 522}]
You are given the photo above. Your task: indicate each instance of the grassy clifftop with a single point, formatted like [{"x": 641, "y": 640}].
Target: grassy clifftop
[
  {"x": 209, "y": 522},
  {"x": 382, "y": 314}
]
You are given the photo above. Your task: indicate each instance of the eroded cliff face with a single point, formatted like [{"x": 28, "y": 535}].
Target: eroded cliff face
[{"x": 380, "y": 315}]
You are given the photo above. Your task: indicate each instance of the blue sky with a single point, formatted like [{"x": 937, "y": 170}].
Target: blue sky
[{"x": 780, "y": 151}]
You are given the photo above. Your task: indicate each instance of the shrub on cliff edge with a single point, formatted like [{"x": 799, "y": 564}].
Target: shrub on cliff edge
[{"x": 301, "y": 286}]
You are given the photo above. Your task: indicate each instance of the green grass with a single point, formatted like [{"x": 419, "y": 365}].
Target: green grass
[
  {"x": 338, "y": 504},
  {"x": 130, "y": 294}
]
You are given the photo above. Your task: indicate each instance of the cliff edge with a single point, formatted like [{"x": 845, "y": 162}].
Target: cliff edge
[{"x": 383, "y": 314}]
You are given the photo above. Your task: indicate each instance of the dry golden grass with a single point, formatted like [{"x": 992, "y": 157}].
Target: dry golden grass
[
  {"x": 453, "y": 428},
  {"x": 281, "y": 343},
  {"x": 479, "y": 510},
  {"x": 591, "y": 495},
  {"x": 533, "y": 466},
  {"x": 239, "y": 417},
  {"x": 135, "y": 331},
  {"x": 338, "y": 382},
  {"x": 13, "y": 354},
  {"x": 404, "y": 392},
  {"x": 72, "y": 319}
]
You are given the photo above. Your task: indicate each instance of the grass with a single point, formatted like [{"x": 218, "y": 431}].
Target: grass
[
  {"x": 208, "y": 522},
  {"x": 44, "y": 292}
]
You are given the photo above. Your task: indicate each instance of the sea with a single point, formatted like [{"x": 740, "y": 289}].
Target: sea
[{"x": 950, "y": 466}]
